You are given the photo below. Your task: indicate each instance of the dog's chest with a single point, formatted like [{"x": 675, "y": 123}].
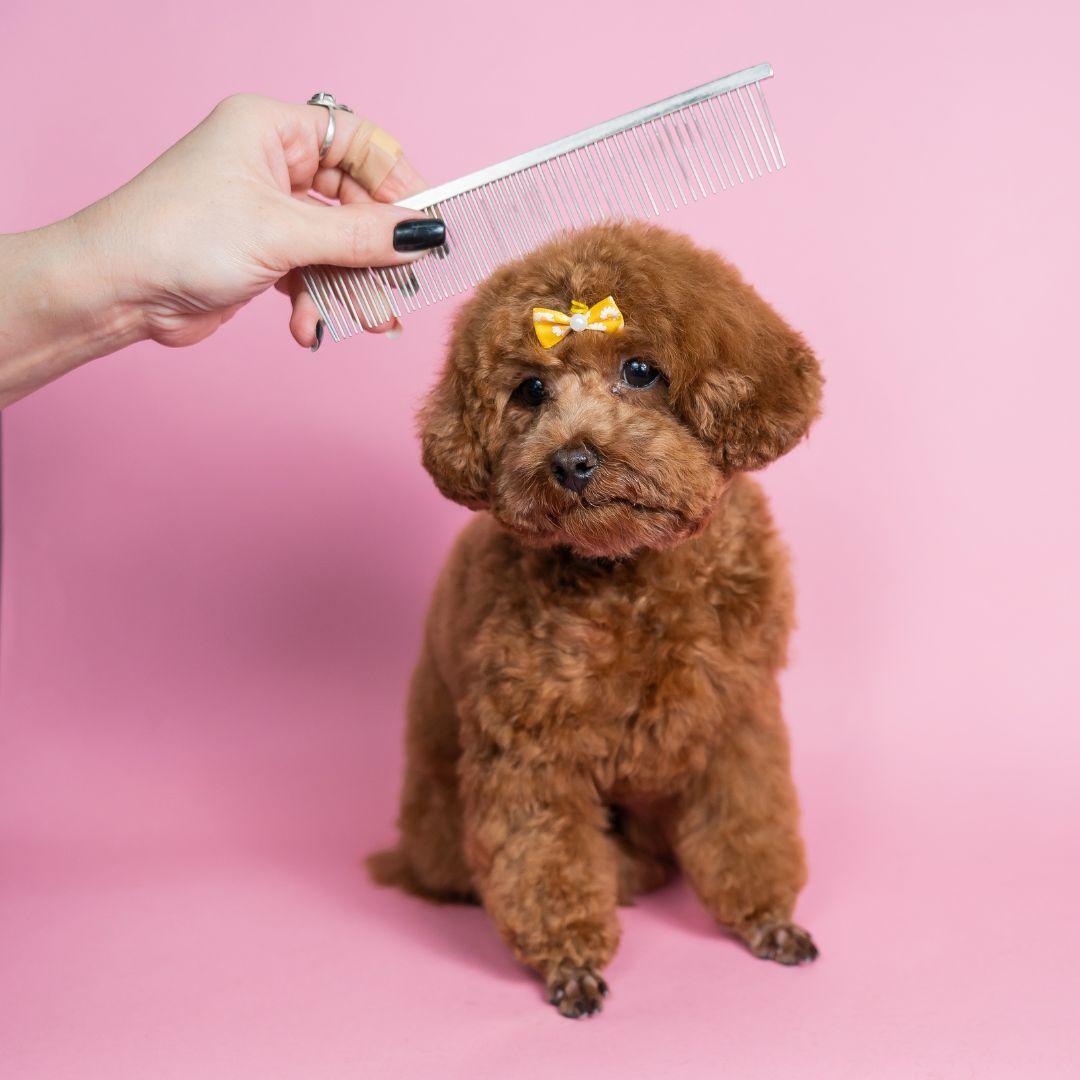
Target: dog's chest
[{"x": 635, "y": 680}]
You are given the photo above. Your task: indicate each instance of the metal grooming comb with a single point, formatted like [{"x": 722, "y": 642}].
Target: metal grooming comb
[{"x": 638, "y": 165}]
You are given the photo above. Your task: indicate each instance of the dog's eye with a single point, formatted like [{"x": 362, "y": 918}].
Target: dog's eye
[
  {"x": 639, "y": 373},
  {"x": 531, "y": 392}
]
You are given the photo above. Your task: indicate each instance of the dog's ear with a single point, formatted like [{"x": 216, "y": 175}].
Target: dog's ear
[
  {"x": 450, "y": 425},
  {"x": 759, "y": 389}
]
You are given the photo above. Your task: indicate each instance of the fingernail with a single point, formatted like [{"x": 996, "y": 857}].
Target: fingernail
[
  {"x": 394, "y": 331},
  {"x": 418, "y": 234},
  {"x": 318, "y": 336}
]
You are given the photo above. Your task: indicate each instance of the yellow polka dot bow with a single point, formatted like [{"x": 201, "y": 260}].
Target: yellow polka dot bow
[{"x": 552, "y": 326}]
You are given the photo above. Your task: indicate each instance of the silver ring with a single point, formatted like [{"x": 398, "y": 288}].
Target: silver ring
[{"x": 327, "y": 101}]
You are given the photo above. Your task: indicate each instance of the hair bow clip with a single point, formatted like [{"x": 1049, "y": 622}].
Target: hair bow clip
[{"x": 552, "y": 326}]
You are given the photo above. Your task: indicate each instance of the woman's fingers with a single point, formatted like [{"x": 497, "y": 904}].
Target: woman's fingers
[
  {"x": 334, "y": 184},
  {"x": 364, "y": 170},
  {"x": 401, "y": 182},
  {"x": 370, "y": 155},
  {"x": 357, "y": 234},
  {"x": 305, "y": 317}
]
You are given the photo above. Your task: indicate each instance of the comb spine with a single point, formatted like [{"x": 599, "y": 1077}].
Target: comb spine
[{"x": 590, "y": 135}]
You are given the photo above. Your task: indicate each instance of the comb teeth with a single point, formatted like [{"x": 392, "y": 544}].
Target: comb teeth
[{"x": 641, "y": 165}]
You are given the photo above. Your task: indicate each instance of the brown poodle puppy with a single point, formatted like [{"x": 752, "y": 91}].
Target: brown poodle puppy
[{"x": 596, "y": 701}]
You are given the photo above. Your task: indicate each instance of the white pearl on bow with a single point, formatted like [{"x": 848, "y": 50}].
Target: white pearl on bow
[{"x": 579, "y": 321}]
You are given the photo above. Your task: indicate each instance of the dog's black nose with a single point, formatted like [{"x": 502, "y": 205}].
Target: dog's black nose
[{"x": 573, "y": 467}]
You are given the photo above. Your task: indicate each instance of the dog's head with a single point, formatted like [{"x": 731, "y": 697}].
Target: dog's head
[{"x": 613, "y": 442}]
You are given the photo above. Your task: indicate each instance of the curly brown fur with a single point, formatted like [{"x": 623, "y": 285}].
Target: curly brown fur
[{"x": 596, "y": 699}]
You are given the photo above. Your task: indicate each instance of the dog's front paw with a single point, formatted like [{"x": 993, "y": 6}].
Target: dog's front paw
[
  {"x": 783, "y": 942},
  {"x": 576, "y": 991}
]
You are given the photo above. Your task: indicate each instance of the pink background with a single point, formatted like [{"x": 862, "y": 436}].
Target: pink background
[{"x": 216, "y": 562}]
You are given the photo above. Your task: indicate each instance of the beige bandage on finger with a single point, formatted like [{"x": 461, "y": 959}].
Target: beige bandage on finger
[{"x": 371, "y": 155}]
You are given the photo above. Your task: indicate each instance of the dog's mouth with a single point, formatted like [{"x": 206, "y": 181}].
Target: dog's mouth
[
  {"x": 610, "y": 525},
  {"x": 630, "y": 504},
  {"x": 618, "y": 512}
]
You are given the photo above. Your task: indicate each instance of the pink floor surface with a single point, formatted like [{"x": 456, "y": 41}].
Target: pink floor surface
[
  {"x": 216, "y": 563},
  {"x": 198, "y": 910}
]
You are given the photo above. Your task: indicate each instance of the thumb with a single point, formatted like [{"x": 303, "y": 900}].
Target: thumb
[{"x": 359, "y": 234}]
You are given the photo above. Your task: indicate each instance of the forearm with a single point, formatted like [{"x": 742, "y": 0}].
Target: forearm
[{"x": 59, "y": 307}]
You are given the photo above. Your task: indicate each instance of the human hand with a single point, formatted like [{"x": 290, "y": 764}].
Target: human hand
[
  {"x": 217, "y": 219},
  {"x": 226, "y": 212}
]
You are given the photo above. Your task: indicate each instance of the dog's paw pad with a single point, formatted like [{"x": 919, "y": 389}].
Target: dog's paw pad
[
  {"x": 576, "y": 991},
  {"x": 783, "y": 942}
]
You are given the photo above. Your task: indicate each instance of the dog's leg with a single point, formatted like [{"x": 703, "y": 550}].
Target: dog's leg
[
  {"x": 737, "y": 839},
  {"x": 429, "y": 859},
  {"x": 546, "y": 872}
]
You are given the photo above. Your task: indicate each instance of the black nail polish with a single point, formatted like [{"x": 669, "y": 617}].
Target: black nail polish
[
  {"x": 418, "y": 234},
  {"x": 318, "y": 336}
]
